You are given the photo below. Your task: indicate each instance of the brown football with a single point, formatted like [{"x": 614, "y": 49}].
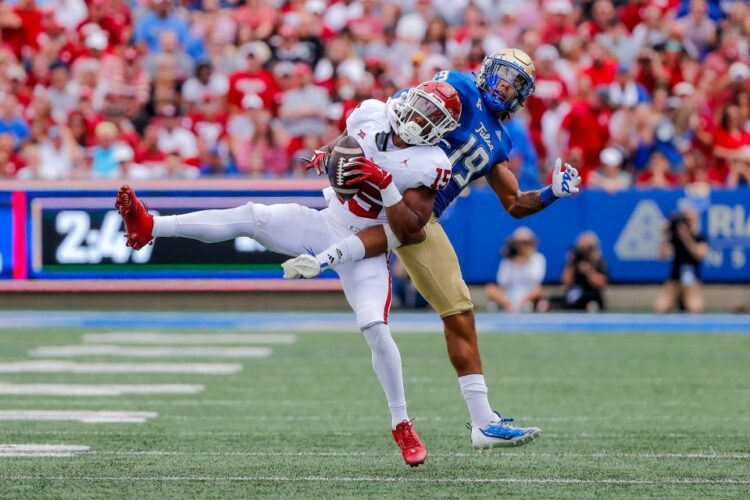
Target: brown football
[{"x": 346, "y": 149}]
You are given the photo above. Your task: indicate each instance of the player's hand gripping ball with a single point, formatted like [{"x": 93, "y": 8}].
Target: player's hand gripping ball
[{"x": 339, "y": 173}]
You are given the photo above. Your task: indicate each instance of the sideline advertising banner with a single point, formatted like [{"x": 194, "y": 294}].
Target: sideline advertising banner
[{"x": 56, "y": 233}]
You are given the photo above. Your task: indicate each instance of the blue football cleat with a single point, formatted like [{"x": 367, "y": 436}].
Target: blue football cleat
[{"x": 499, "y": 434}]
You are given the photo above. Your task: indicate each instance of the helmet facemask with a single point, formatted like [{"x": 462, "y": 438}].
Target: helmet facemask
[
  {"x": 423, "y": 119},
  {"x": 519, "y": 85}
]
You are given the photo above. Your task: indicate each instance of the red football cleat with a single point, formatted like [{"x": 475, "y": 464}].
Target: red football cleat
[
  {"x": 412, "y": 448},
  {"x": 138, "y": 222}
]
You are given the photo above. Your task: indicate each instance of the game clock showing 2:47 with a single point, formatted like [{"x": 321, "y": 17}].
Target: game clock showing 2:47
[
  {"x": 78, "y": 241},
  {"x": 93, "y": 240}
]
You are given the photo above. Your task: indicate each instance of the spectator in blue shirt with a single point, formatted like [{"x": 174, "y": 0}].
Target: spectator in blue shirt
[
  {"x": 11, "y": 122},
  {"x": 107, "y": 155},
  {"x": 157, "y": 20}
]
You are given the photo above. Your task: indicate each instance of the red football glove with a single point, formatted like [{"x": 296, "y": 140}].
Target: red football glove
[
  {"x": 318, "y": 162},
  {"x": 364, "y": 170}
]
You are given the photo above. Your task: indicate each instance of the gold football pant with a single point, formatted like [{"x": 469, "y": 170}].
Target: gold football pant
[{"x": 433, "y": 267}]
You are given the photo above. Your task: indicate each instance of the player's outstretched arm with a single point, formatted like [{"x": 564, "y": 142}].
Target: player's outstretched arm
[{"x": 521, "y": 204}]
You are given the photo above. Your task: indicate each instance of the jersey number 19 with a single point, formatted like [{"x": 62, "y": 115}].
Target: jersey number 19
[{"x": 473, "y": 162}]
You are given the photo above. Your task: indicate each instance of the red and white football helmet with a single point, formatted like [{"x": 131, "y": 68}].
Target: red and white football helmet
[{"x": 427, "y": 112}]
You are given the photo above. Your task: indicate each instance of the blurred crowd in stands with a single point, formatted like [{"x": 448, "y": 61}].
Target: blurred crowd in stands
[{"x": 634, "y": 93}]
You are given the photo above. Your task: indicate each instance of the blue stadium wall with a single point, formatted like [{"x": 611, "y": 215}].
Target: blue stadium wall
[{"x": 57, "y": 232}]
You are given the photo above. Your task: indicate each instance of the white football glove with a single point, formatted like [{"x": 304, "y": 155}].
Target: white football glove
[
  {"x": 564, "y": 183},
  {"x": 303, "y": 266}
]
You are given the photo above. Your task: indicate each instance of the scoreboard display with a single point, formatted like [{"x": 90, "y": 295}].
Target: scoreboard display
[{"x": 75, "y": 237}]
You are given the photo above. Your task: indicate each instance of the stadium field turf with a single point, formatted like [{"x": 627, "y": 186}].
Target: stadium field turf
[{"x": 623, "y": 415}]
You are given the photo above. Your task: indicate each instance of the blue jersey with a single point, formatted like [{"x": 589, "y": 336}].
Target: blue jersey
[{"x": 478, "y": 144}]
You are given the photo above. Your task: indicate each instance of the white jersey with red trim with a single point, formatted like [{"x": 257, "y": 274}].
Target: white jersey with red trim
[{"x": 410, "y": 167}]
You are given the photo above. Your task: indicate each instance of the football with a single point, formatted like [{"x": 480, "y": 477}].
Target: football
[{"x": 346, "y": 149}]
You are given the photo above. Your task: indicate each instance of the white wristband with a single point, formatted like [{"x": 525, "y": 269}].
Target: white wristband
[
  {"x": 390, "y": 195},
  {"x": 393, "y": 241}
]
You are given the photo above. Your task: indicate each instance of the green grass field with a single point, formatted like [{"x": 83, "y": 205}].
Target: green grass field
[{"x": 639, "y": 415}]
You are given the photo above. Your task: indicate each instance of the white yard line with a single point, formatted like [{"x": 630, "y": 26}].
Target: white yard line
[
  {"x": 41, "y": 450},
  {"x": 151, "y": 351},
  {"x": 87, "y": 417},
  {"x": 189, "y": 338},
  {"x": 97, "y": 389},
  {"x": 495, "y": 454},
  {"x": 260, "y": 431},
  {"x": 460, "y": 418},
  {"x": 55, "y": 366},
  {"x": 369, "y": 479}
]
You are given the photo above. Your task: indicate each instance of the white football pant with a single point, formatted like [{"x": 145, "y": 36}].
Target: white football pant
[{"x": 292, "y": 229}]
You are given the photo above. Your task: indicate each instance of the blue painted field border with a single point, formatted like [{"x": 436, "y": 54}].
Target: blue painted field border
[{"x": 400, "y": 322}]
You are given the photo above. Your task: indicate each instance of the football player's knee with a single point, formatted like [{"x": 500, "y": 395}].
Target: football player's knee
[
  {"x": 377, "y": 336},
  {"x": 369, "y": 317},
  {"x": 256, "y": 214},
  {"x": 457, "y": 299}
]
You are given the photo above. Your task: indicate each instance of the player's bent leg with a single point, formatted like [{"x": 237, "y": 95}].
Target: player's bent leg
[
  {"x": 208, "y": 226},
  {"x": 285, "y": 228}
]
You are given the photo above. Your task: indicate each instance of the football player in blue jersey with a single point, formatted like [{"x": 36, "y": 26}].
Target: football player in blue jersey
[{"x": 478, "y": 147}]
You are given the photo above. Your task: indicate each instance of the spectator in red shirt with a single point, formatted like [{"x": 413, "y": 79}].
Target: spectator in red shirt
[
  {"x": 602, "y": 69},
  {"x": 550, "y": 90},
  {"x": 602, "y": 13},
  {"x": 730, "y": 139},
  {"x": 369, "y": 26},
  {"x": 21, "y": 30},
  {"x": 10, "y": 163},
  {"x": 558, "y": 21},
  {"x": 727, "y": 53},
  {"x": 130, "y": 77},
  {"x": 254, "y": 79},
  {"x": 258, "y": 16},
  {"x": 657, "y": 174},
  {"x": 265, "y": 153},
  {"x": 587, "y": 126},
  {"x": 148, "y": 153},
  {"x": 209, "y": 122},
  {"x": 650, "y": 71}
]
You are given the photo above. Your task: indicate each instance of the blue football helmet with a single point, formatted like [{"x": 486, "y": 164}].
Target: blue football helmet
[{"x": 516, "y": 69}]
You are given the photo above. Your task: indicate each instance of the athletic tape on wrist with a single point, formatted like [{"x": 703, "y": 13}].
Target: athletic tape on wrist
[
  {"x": 393, "y": 241},
  {"x": 547, "y": 196},
  {"x": 390, "y": 195}
]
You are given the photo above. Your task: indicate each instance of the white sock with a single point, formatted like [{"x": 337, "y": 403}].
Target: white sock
[
  {"x": 208, "y": 226},
  {"x": 350, "y": 249},
  {"x": 474, "y": 391},
  {"x": 386, "y": 361}
]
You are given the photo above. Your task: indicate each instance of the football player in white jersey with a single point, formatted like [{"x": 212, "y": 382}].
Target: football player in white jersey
[{"x": 402, "y": 161}]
